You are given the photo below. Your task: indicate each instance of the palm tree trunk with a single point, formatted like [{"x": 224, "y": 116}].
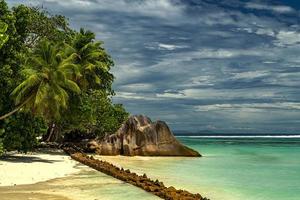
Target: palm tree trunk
[
  {"x": 52, "y": 129},
  {"x": 15, "y": 110}
]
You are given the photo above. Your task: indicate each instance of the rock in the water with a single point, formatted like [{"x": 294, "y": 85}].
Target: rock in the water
[{"x": 138, "y": 136}]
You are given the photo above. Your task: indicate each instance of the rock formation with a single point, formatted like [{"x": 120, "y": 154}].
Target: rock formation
[{"x": 140, "y": 136}]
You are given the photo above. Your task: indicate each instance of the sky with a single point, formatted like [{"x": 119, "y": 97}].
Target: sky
[{"x": 227, "y": 66}]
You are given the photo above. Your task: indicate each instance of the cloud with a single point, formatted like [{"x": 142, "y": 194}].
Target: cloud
[
  {"x": 169, "y": 46},
  {"x": 127, "y": 72},
  {"x": 135, "y": 87},
  {"x": 152, "y": 8},
  {"x": 259, "y": 31},
  {"x": 163, "y": 46},
  {"x": 207, "y": 53},
  {"x": 288, "y": 38},
  {"x": 249, "y": 106},
  {"x": 265, "y": 31},
  {"x": 289, "y": 79},
  {"x": 250, "y": 74},
  {"x": 133, "y": 96},
  {"x": 225, "y": 53},
  {"x": 221, "y": 94},
  {"x": 274, "y": 8},
  {"x": 269, "y": 62},
  {"x": 204, "y": 80},
  {"x": 176, "y": 95}
]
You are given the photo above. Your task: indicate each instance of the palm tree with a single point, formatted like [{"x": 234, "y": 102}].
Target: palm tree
[
  {"x": 45, "y": 91},
  {"x": 94, "y": 62}
]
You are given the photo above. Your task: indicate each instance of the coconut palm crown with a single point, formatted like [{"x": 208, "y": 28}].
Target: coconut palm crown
[
  {"x": 94, "y": 63},
  {"x": 48, "y": 83}
]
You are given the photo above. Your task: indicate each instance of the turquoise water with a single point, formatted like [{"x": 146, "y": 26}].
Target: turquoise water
[
  {"x": 253, "y": 168},
  {"x": 230, "y": 169}
]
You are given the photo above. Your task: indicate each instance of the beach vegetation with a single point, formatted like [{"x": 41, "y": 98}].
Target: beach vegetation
[{"x": 54, "y": 80}]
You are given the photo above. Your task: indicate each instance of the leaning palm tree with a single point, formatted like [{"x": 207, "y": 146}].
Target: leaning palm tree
[
  {"x": 45, "y": 91},
  {"x": 94, "y": 63}
]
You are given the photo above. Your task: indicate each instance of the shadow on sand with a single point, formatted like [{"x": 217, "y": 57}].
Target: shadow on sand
[
  {"x": 10, "y": 157},
  {"x": 26, "y": 159}
]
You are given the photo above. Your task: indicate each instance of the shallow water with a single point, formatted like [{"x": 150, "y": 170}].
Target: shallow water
[{"x": 230, "y": 169}]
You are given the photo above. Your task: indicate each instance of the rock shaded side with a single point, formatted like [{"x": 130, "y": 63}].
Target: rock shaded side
[
  {"x": 155, "y": 187},
  {"x": 139, "y": 136}
]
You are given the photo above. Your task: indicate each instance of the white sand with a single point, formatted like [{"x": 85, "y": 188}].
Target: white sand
[{"x": 16, "y": 169}]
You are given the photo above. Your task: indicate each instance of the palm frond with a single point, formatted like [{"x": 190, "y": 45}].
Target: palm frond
[
  {"x": 71, "y": 86},
  {"x": 22, "y": 90}
]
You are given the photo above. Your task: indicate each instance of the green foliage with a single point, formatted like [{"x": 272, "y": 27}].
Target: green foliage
[
  {"x": 93, "y": 112},
  {"x": 19, "y": 134},
  {"x": 109, "y": 117},
  {"x": 3, "y": 36},
  {"x": 67, "y": 82},
  {"x": 25, "y": 32},
  {"x": 94, "y": 63},
  {"x": 1, "y": 148},
  {"x": 34, "y": 24},
  {"x": 9, "y": 58},
  {"x": 47, "y": 82}
]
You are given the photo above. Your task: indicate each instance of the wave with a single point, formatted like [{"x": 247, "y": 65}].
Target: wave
[{"x": 240, "y": 136}]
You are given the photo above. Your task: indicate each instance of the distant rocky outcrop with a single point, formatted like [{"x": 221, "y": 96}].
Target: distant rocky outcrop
[{"x": 139, "y": 136}]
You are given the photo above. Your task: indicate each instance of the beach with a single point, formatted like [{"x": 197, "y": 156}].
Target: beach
[
  {"x": 19, "y": 169},
  {"x": 55, "y": 176}
]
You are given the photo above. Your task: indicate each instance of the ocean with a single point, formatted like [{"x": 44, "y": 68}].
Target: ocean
[{"x": 232, "y": 167}]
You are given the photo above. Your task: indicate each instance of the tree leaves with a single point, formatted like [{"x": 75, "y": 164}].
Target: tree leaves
[
  {"x": 3, "y": 36},
  {"x": 94, "y": 63},
  {"x": 67, "y": 80},
  {"x": 48, "y": 80}
]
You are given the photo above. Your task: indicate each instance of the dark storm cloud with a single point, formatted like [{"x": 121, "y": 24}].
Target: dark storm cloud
[{"x": 224, "y": 66}]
